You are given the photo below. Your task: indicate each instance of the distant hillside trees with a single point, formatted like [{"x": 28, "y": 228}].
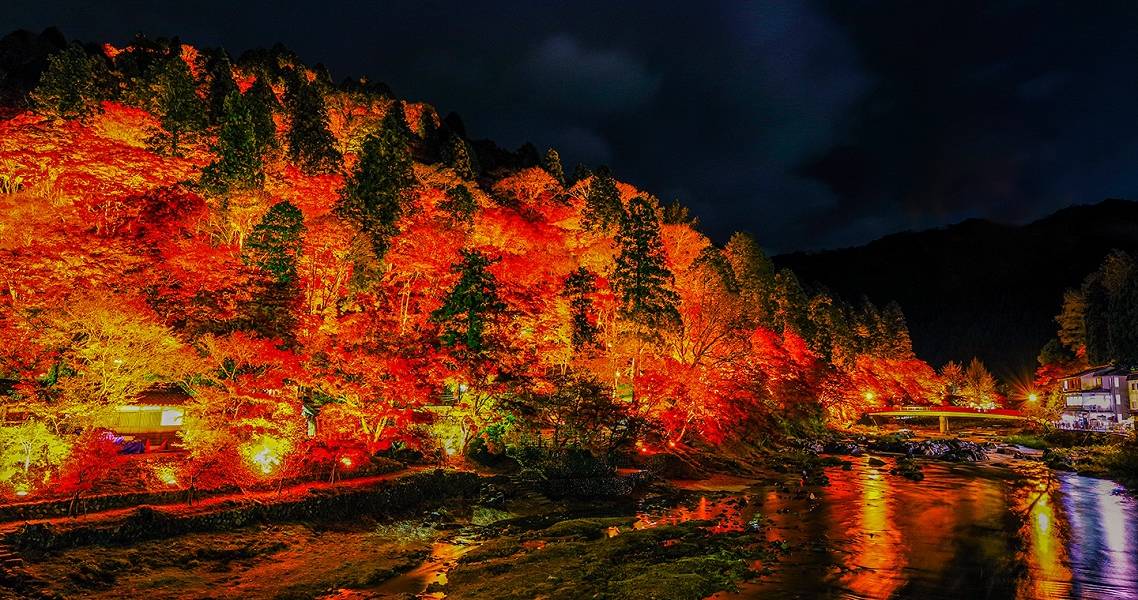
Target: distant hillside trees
[
  {"x": 71, "y": 87},
  {"x": 1100, "y": 318}
]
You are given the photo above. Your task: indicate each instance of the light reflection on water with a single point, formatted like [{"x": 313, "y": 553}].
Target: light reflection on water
[{"x": 963, "y": 532}]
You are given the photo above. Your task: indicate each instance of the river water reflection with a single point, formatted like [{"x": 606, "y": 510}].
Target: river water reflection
[{"x": 966, "y": 531}]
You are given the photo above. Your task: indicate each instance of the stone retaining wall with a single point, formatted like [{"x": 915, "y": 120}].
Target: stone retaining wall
[{"x": 386, "y": 497}]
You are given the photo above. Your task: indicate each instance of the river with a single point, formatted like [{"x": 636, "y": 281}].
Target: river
[
  {"x": 1007, "y": 528},
  {"x": 966, "y": 531}
]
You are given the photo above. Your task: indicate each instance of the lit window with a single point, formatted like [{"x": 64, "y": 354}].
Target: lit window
[{"x": 171, "y": 417}]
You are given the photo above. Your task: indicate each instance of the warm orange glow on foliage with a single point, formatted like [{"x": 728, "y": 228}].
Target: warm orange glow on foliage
[{"x": 309, "y": 342}]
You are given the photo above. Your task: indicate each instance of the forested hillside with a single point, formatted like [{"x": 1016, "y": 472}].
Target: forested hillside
[
  {"x": 960, "y": 301},
  {"x": 328, "y": 270}
]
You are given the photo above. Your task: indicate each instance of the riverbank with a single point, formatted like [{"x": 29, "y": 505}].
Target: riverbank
[{"x": 628, "y": 535}]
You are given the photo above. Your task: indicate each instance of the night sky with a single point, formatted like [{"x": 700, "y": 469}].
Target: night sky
[{"x": 810, "y": 124}]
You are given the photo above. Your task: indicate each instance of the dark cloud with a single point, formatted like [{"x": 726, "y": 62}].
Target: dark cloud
[
  {"x": 588, "y": 80},
  {"x": 810, "y": 123}
]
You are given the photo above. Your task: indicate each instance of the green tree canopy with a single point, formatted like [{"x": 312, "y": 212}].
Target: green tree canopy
[
  {"x": 374, "y": 196},
  {"x": 221, "y": 86},
  {"x": 602, "y": 203},
  {"x": 70, "y": 86},
  {"x": 239, "y": 162},
  {"x": 471, "y": 305},
  {"x": 310, "y": 142},
  {"x": 640, "y": 275},
  {"x": 181, "y": 112},
  {"x": 552, "y": 165}
]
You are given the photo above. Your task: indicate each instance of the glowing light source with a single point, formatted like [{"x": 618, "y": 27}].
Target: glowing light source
[
  {"x": 266, "y": 453},
  {"x": 1033, "y": 397},
  {"x": 870, "y": 396},
  {"x": 347, "y": 462},
  {"x": 166, "y": 474}
]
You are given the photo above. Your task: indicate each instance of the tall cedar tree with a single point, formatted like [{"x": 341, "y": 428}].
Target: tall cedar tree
[
  {"x": 457, "y": 155},
  {"x": 552, "y": 165},
  {"x": 471, "y": 305},
  {"x": 374, "y": 196},
  {"x": 790, "y": 302},
  {"x": 70, "y": 87},
  {"x": 580, "y": 173},
  {"x": 310, "y": 143},
  {"x": 275, "y": 247},
  {"x": 221, "y": 85},
  {"x": 754, "y": 273},
  {"x": 640, "y": 274},
  {"x": 239, "y": 164},
  {"x": 579, "y": 285},
  {"x": 262, "y": 103},
  {"x": 602, "y": 203},
  {"x": 180, "y": 111},
  {"x": 896, "y": 342}
]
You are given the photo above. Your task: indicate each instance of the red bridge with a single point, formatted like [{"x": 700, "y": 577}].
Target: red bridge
[{"x": 944, "y": 412}]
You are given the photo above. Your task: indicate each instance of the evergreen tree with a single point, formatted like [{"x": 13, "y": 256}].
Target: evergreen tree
[
  {"x": 1096, "y": 323},
  {"x": 471, "y": 305},
  {"x": 262, "y": 103},
  {"x": 675, "y": 213},
  {"x": 552, "y": 165},
  {"x": 374, "y": 196},
  {"x": 755, "y": 275},
  {"x": 895, "y": 342},
  {"x": 640, "y": 275},
  {"x": 396, "y": 119},
  {"x": 180, "y": 111},
  {"x": 822, "y": 314},
  {"x": 581, "y": 172},
  {"x": 70, "y": 86},
  {"x": 602, "y": 203},
  {"x": 460, "y": 204},
  {"x": 274, "y": 248},
  {"x": 221, "y": 86},
  {"x": 310, "y": 143},
  {"x": 458, "y": 156},
  {"x": 239, "y": 164},
  {"x": 790, "y": 304},
  {"x": 1071, "y": 320},
  {"x": 275, "y": 244},
  {"x": 578, "y": 287}
]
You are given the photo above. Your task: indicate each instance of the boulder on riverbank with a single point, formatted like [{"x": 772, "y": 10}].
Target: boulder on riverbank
[{"x": 953, "y": 450}]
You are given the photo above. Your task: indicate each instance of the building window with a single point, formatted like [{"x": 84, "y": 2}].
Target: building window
[{"x": 171, "y": 417}]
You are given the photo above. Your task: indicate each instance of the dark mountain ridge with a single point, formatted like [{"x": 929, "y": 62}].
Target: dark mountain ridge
[{"x": 979, "y": 288}]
